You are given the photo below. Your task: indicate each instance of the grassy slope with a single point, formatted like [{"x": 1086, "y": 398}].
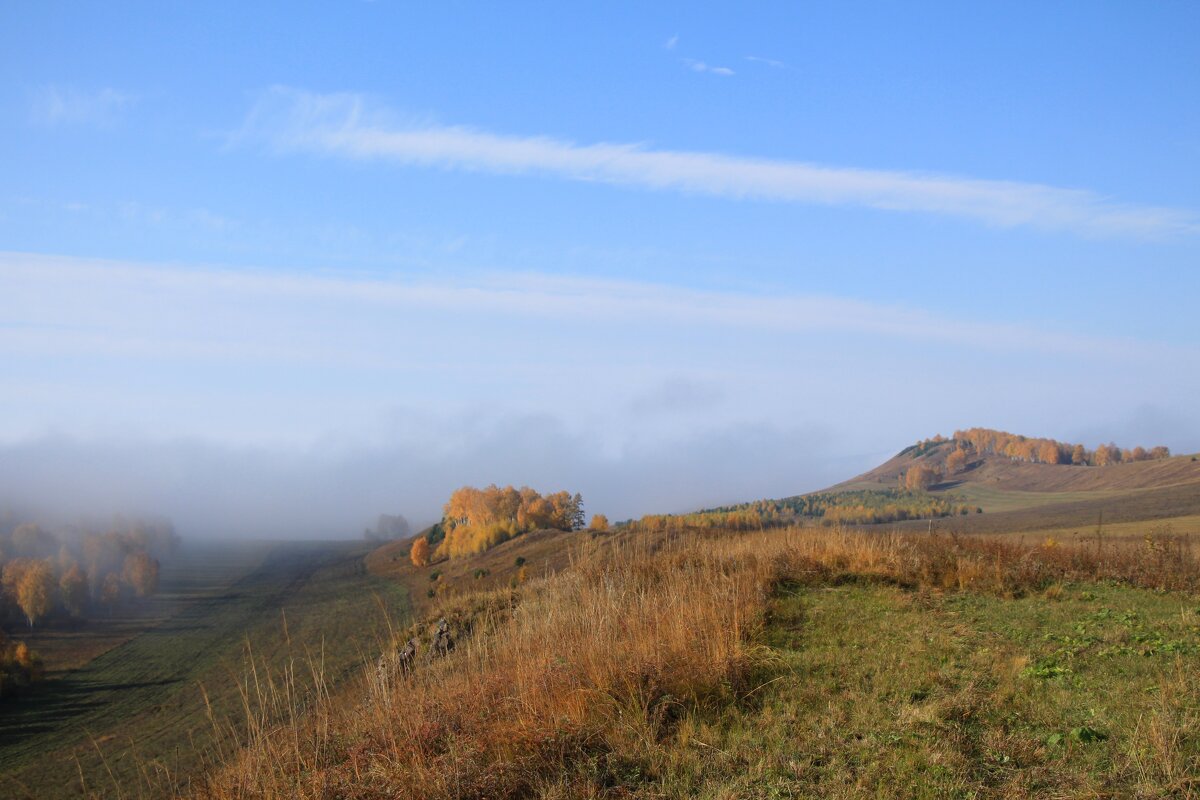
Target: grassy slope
[
  {"x": 544, "y": 552},
  {"x": 788, "y": 663},
  {"x": 1003, "y": 473},
  {"x": 138, "y": 709}
]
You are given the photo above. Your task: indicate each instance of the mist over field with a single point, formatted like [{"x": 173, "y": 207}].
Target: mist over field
[
  {"x": 335, "y": 487},
  {"x": 335, "y": 491}
]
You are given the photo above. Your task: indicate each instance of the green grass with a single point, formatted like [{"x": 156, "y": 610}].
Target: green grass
[
  {"x": 995, "y": 500},
  {"x": 194, "y": 572},
  {"x": 135, "y": 716},
  {"x": 879, "y": 692}
]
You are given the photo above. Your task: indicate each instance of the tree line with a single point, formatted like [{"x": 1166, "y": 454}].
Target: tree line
[
  {"x": 859, "y": 507},
  {"x": 70, "y": 575},
  {"x": 1036, "y": 450}
]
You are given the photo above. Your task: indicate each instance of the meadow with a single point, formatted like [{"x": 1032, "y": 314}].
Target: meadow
[
  {"x": 802, "y": 662},
  {"x": 150, "y": 700}
]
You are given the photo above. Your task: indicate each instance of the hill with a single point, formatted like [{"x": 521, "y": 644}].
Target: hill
[
  {"x": 986, "y": 481},
  {"x": 1005, "y": 473},
  {"x": 1025, "y": 496}
]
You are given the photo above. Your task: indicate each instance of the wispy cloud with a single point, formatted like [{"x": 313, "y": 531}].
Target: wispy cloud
[
  {"x": 700, "y": 66},
  {"x": 141, "y": 291},
  {"x": 58, "y": 105},
  {"x": 349, "y": 126},
  {"x": 670, "y": 43},
  {"x": 770, "y": 62}
]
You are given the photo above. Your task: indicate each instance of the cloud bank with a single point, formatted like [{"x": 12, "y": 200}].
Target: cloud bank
[{"x": 350, "y": 126}]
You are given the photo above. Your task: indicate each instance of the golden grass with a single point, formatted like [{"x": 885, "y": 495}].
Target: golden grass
[{"x": 573, "y": 684}]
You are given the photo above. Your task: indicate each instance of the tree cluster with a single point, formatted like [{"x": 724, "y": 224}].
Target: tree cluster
[
  {"x": 387, "y": 528},
  {"x": 477, "y": 519},
  {"x": 76, "y": 572},
  {"x": 920, "y": 477}
]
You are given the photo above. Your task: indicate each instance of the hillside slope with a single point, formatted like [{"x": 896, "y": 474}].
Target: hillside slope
[
  {"x": 1020, "y": 496},
  {"x": 1005, "y": 474}
]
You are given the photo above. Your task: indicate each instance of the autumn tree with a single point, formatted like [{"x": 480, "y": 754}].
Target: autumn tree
[
  {"x": 419, "y": 554},
  {"x": 1047, "y": 451},
  {"x": 141, "y": 573},
  {"x": 957, "y": 461},
  {"x": 73, "y": 588},
  {"x": 110, "y": 590},
  {"x": 599, "y": 522},
  {"x": 10, "y": 578},
  {"x": 35, "y": 593},
  {"x": 1107, "y": 454},
  {"x": 1079, "y": 455},
  {"x": 921, "y": 477}
]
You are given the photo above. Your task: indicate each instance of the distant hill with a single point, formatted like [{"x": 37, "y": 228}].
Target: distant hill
[
  {"x": 1007, "y": 474},
  {"x": 1022, "y": 495},
  {"x": 983, "y": 480}
]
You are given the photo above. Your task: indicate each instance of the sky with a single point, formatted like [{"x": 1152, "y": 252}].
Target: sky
[{"x": 275, "y": 269}]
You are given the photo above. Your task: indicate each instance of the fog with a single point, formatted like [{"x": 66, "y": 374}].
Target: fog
[
  {"x": 329, "y": 490},
  {"x": 336, "y": 487}
]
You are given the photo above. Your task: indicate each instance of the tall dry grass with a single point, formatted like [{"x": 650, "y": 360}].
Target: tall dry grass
[{"x": 573, "y": 683}]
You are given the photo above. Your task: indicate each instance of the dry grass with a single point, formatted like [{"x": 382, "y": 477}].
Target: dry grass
[{"x": 584, "y": 683}]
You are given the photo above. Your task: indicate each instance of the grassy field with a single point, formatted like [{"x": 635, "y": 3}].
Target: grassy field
[
  {"x": 876, "y": 691},
  {"x": 194, "y": 573},
  {"x": 795, "y": 663},
  {"x": 993, "y": 500},
  {"x": 133, "y": 720}
]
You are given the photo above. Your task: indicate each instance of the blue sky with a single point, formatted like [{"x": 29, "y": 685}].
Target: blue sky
[{"x": 669, "y": 256}]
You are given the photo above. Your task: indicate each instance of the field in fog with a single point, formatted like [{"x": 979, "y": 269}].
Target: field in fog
[{"x": 132, "y": 713}]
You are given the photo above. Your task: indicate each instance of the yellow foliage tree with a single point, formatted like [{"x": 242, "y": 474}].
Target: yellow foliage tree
[
  {"x": 110, "y": 590},
  {"x": 599, "y": 522},
  {"x": 419, "y": 554},
  {"x": 73, "y": 588},
  {"x": 141, "y": 573},
  {"x": 1107, "y": 454},
  {"x": 921, "y": 477},
  {"x": 35, "y": 594}
]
